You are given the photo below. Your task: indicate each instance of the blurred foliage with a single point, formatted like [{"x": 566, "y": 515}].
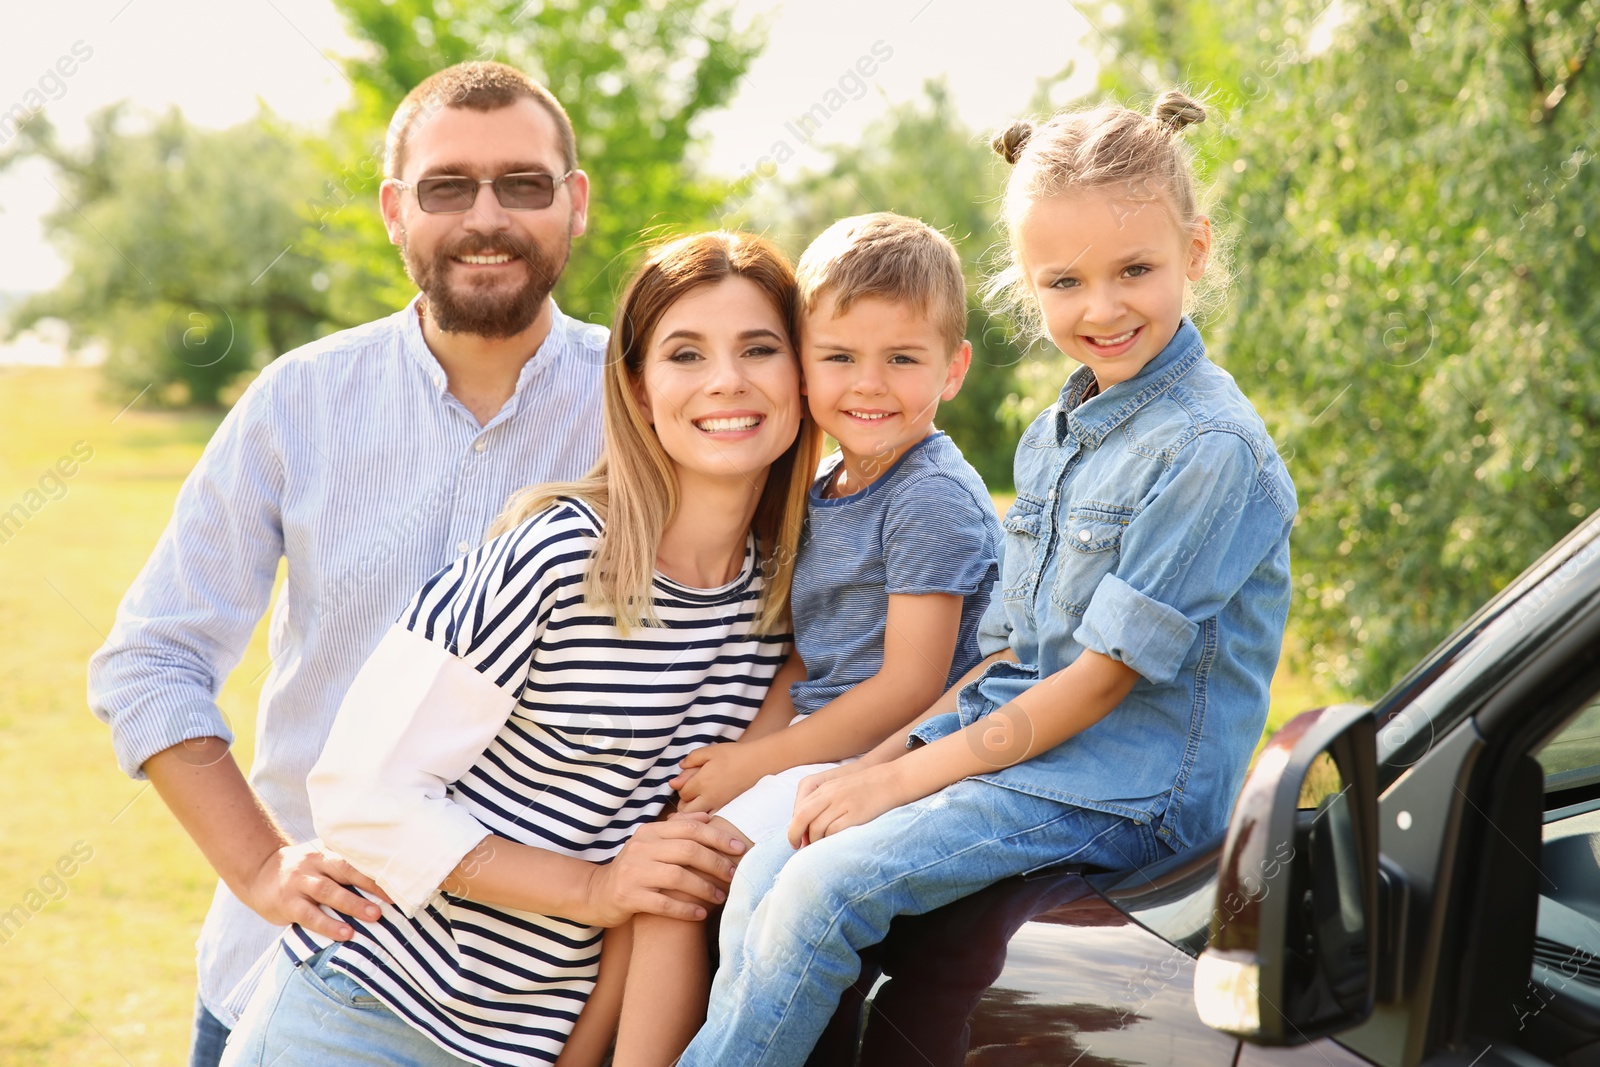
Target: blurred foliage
[
  {"x": 634, "y": 75},
  {"x": 169, "y": 228},
  {"x": 1412, "y": 186},
  {"x": 170, "y": 232},
  {"x": 920, "y": 159}
]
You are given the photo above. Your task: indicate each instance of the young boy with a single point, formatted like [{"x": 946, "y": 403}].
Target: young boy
[
  {"x": 893, "y": 574},
  {"x": 901, "y": 543}
]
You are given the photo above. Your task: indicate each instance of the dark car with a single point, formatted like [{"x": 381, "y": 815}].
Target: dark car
[{"x": 1417, "y": 882}]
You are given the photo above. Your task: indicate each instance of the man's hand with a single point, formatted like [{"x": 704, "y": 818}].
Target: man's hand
[
  {"x": 682, "y": 855},
  {"x": 715, "y": 774},
  {"x": 295, "y": 879},
  {"x": 843, "y": 797}
]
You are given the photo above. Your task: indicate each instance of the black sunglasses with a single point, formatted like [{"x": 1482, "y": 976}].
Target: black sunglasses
[{"x": 452, "y": 194}]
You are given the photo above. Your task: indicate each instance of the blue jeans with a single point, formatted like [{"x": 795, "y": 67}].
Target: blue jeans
[
  {"x": 795, "y": 921},
  {"x": 205, "y": 1047},
  {"x": 312, "y": 1015}
]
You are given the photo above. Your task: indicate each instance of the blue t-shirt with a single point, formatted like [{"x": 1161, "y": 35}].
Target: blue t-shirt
[{"x": 926, "y": 526}]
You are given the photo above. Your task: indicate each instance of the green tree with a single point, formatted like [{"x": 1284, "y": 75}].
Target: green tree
[
  {"x": 634, "y": 75},
  {"x": 1412, "y": 188},
  {"x": 179, "y": 245},
  {"x": 921, "y": 160}
]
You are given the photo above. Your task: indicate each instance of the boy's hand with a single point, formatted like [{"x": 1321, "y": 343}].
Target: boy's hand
[
  {"x": 715, "y": 774},
  {"x": 838, "y": 801}
]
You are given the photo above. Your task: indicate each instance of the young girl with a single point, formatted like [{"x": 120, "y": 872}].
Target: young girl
[
  {"x": 1133, "y": 633},
  {"x": 499, "y": 762}
]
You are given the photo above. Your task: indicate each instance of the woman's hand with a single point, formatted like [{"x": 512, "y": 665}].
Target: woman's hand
[
  {"x": 715, "y": 774},
  {"x": 843, "y": 797},
  {"x": 682, "y": 855}
]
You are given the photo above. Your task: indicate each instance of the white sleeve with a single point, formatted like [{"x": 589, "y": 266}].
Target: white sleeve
[
  {"x": 415, "y": 720},
  {"x": 431, "y": 698}
]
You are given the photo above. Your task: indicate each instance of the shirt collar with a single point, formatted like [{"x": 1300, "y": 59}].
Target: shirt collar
[
  {"x": 1091, "y": 420},
  {"x": 556, "y": 345}
]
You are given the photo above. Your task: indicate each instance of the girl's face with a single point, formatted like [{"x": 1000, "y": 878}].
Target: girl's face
[
  {"x": 721, "y": 385},
  {"x": 1109, "y": 274}
]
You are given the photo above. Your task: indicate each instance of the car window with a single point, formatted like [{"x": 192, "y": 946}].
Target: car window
[
  {"x": 1560, "y": 1004},
  {"x": 1571, "y": 759}
]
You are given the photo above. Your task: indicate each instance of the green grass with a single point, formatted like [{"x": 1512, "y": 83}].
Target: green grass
[{"x": 105, "y": 975}]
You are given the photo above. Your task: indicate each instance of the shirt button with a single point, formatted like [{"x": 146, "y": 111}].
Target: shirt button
[
  {"x": 463, "y": 548},
  {"x": 1084, "y": 535},
  {"x": 438, "y": 380},
  {"x": 480, "y": 445}
]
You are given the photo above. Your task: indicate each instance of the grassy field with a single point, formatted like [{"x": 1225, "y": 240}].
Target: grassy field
[{"x": 101, "y": 971}]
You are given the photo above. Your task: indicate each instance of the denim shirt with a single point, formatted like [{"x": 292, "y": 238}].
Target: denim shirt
[{"x": 1152, "y": 526}]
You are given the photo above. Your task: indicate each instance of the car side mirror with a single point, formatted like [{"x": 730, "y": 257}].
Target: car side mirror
[{"x": 1292, "y": 953}]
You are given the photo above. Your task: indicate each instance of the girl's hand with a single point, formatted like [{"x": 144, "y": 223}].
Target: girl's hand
[
  {"x": 840, "y": 801},
  {"x": 810, "y": 782},
  {"x": 715, "y": 774}
]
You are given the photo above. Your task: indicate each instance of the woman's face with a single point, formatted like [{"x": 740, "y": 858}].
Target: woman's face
[{"x": 720, "y": 383}]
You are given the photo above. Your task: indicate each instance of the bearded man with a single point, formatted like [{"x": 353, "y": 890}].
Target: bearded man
[{"x": 367, "y": 460}]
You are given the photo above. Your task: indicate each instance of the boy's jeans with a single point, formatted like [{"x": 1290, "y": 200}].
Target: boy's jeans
[{"x": 795, "y": 921}]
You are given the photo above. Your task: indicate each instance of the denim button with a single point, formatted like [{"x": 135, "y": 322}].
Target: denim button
[{"x": 1084, "y": 535}]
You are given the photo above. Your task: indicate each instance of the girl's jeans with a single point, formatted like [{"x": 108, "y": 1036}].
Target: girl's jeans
[{"x": 795, "y": 921}]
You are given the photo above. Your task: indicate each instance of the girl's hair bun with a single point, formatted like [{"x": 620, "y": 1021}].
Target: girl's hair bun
[
  {"x": 1175, "y": 110},
  {"x": 1010, "y": 141}
]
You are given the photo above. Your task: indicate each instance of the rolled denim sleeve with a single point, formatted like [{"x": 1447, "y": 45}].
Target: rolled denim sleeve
[
  {"x": 1201, "y": 532},
  {"x": 186, "y": 620}
]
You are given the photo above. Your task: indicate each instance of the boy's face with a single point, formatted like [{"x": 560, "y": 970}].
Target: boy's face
[{"x": 874, "y": 376}]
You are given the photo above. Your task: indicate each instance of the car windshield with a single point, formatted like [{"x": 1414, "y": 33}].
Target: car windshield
[{"x": 1451, "y": 682}]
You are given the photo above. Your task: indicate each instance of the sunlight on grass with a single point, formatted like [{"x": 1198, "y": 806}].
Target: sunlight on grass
[{"x": 105, "y": 973}]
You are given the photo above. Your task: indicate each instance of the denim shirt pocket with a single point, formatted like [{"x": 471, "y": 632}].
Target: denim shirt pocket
[
  {"x": 1024, "y": 525},
  {"x": 1091, "y": 543}
]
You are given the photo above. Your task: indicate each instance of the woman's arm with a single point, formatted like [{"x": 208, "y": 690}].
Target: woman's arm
[
  {"x": 685, "y": 855},
  {"x": 919, "y": 641},
  {"x": 1066, "y": 703}
]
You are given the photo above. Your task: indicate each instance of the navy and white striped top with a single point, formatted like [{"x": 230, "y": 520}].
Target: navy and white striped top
[
  {"x": 349, "y": 460},
  {"x": 501, "y": 702}
]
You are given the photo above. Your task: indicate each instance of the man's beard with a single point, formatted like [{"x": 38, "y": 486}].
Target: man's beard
[{"x": 469, "y": 308}]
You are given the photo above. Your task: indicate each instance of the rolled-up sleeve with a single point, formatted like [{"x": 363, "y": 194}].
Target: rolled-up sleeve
[
  {"x": 415, "y": 719},
  {"x": 427, "y": 703},
  {"x": 1200, "y": 534},
  {"x": 188, "y": 617}
]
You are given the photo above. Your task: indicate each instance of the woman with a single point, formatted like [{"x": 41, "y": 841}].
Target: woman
[{"x": 499, "y": 762}]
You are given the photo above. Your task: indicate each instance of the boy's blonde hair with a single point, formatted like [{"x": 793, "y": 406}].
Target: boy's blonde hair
[{"x": 891, "y": 257}]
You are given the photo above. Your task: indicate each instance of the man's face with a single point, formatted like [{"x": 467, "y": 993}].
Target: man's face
[{"x": 486, "y": 271}]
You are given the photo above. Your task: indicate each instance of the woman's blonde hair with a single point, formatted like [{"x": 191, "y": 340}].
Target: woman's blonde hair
[
  {"x": 633, "y": 487},
  {"x": 1141, "y": 156}
]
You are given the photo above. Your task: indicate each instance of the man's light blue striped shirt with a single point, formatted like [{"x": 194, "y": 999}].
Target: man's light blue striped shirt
[{"x": 349, "y": 458}]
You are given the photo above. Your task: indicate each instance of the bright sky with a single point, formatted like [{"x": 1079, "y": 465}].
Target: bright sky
[{"x": 216, "y": 62}]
